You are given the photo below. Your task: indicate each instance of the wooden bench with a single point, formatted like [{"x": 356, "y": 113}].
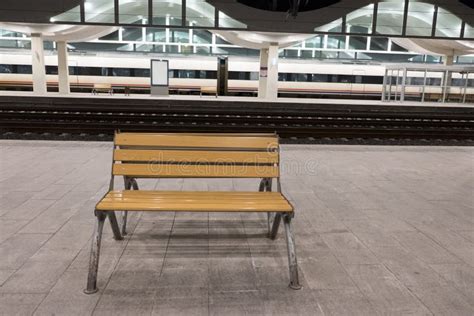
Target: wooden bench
[
  {"x": 102, "y": 87},
  {"x": 194, "y": 155},
  {"x": 208, "y": 90}
]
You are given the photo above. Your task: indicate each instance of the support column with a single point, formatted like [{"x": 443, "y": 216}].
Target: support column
[
  {"x": 268, "y": 81},
  {"x": 39, "y": 70},
  {"x": 63, "y": 68},
  {"x": 447, "y": 77}
]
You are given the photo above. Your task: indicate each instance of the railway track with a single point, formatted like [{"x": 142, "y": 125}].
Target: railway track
[{"x": 78, "y": 118}]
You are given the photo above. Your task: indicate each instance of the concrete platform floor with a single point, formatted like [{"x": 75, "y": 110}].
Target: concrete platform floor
[{"x": 379, "y": 231}]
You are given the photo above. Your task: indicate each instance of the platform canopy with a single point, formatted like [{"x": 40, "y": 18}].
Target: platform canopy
[{"x": 439, "y": 19}]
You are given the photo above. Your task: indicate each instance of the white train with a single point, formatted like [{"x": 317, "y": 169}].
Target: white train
[{"x": 297, "y": 78}]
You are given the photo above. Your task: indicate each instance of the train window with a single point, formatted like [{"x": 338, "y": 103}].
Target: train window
[
  {"x": 243, "y": 75},
  {"x": 24, "y": 69},
  {"x": 283, "y": 76},
  {"x": 345, "y": 79},
  {"x": 142, "y": 73},
  {"x": 372, "y": 79},
  {"x": 51, "y": 70},
  {"x": 302, "y": 77},
  {"x": 121, "y": 72},
  {"x": 379, "y": 43},
  {"x": 72, "y": 71},
  {"x": 173, "y": 73},
  {"x": 6, "y": 69},
  {"x": 414, "y": 81},
  {"x": 89, "y": 71},
  {"x": 211, "y": 74},
  {"x": 433, "y": 81},
  {"x": 320, "y": 78},
  {"x": 106, "y": 72},
  {"x": 186, "y": 74},
  {"x": 461, "y": 82}
]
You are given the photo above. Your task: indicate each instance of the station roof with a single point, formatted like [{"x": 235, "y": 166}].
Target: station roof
[{"x": 443, "y": 19}]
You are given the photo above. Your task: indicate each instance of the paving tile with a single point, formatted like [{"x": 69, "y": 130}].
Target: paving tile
[
  {"x": 10, "y": 227},
  {"x": 469, "y": 235},
  {"x": 236, "y": 303},
  {"x": 67, "y": 296},
  {"x": 28, "y": 210},
  {"x": 35, "y": 277},
  {"x": 19, "y": 303},
  {"x": 444, "y": 300},
  {"x": 123, "y": 302},
  {"x": 384, "y": 291},
  {"x": 424, "y": 248},
  {"x": 325, "y": 272},
  {"x": 411, "y": 271},
  {"x": 348, "y": 249},
  {"x": 279, "y": 300},
  {"x": 16, "y": 250},
  {"x": 4, "y": 275},
  {"x": 344, "y": 302},
  {"x": 232, "y": 274},
  {"x": 460, "y": 276}
]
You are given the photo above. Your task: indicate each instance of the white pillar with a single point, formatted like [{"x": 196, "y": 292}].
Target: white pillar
[
  {"x": 268, "y": 81},
  {"x": 262, "y": 81},
  {"x": 447, "y": 76},
  {"x": 63, "y": 68},
  {"x": 448, "y": 60},
  {"x": 39, "y": 70}
]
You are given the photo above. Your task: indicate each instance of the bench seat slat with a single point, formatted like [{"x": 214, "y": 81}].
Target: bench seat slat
[
  {"x": 195, "y": 171},
  {"x": 196, "y": 141},
  {"x": 147, "y": 194},
  {"x": 194, "y": 201},
  {"x": 195, "y": 156}
]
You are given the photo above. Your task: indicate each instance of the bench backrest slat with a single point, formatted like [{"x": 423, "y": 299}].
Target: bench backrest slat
[
  {"x": 196, "y": 141},
  {"x": 197, "y": 155},
  {"x": 195, "y": 171}
]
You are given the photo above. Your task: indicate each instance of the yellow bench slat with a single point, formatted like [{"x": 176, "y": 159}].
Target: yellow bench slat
[
  {"x": 196, "y": 141},
  {"x": 195, "y": 171},
  {"x": 196, "y": 156},
  {"x": 195, "y": 201}
]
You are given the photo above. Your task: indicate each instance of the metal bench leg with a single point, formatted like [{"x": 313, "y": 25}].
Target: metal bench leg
[
  {"x": 292, "y": 262},
  {"x": 124, "y": 223},
  {"x": 129, "y": 183},
  {"x": 275, "y": 226},
  {"x": 266, "y": 185},
  {"x": 114, "y": 225},
  {"x": 94, "y": 257}
]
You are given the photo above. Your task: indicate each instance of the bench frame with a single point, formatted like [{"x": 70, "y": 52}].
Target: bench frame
[{"x": 273, "y": 223}]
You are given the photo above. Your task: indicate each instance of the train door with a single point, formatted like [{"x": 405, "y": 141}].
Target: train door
[{"x": 357, "y": 85}]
